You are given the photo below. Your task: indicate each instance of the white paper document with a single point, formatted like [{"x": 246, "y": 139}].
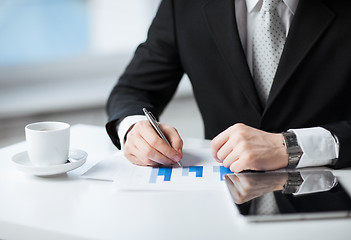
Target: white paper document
[{"x": 199, "y": 172}]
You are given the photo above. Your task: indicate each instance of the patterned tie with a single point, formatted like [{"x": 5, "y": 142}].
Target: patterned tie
[
  {"x": 264, "y": 205},
  {"x": 268, "y": 44}
]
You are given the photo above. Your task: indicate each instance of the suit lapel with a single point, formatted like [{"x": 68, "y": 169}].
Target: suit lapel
[
  {"x": 220, "y": 16},
  {"x": 310, "y": 21}
]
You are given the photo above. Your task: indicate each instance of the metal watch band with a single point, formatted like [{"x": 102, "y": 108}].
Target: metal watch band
[
  {"x": 292, "y": 148},
  {"x": 293, "y": 183}
]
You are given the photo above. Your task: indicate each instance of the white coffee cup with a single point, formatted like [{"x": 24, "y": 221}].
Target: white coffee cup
[{"x": 48, "y": 143}]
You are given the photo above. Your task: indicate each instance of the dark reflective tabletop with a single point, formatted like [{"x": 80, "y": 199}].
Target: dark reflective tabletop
[{"x": 288, "y": 193}]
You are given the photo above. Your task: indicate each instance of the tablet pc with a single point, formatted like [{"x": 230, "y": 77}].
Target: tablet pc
[{"x": 295, "y": 195}]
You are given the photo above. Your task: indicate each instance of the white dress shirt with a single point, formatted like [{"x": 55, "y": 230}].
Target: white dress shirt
[{"x": 318, "y": 145}]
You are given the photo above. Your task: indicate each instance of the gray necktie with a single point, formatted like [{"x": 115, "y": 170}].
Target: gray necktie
[
  {"x": 264, "y": 205},
  {"x": 268, "y": 43}
]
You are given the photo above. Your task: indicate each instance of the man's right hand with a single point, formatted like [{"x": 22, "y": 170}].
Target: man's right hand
[{"x": 145, "y": 147}]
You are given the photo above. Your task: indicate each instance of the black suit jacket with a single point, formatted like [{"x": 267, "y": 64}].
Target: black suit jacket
[{"x": 312, "y": 86}]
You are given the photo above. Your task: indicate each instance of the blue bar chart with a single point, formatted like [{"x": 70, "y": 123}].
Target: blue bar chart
[
  {"x": 164, "y": 174},
  {"x": 200, "y": 171}
]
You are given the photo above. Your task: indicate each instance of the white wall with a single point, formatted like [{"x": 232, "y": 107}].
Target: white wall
[
  {"x": 119, "y": 24},
  {"x": 117, "y": 27}
]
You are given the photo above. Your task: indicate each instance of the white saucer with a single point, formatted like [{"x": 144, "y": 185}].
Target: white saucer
[{"x": 76, "y": 159}]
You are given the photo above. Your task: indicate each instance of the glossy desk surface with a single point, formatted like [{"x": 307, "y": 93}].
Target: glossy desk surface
[{"x": 67, "y": 206}]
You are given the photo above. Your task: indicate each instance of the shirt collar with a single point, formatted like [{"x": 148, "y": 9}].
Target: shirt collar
[{"x": 291, "y": 4}]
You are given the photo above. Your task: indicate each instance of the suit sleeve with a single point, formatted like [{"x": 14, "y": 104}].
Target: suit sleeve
[{"x": 151, "y": 78}]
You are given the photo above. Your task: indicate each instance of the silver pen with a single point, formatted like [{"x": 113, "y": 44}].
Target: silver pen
[{"x": 157, "y": 128}]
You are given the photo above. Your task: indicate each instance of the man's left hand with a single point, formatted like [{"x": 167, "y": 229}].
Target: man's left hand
[{"x": 241, "y": 147}]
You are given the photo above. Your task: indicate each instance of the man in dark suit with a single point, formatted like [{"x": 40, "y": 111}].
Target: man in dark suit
[{"x": 213, "y": 42}]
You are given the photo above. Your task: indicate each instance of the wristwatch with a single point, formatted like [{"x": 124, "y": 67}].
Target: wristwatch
[{"x": 292, "y": 148}]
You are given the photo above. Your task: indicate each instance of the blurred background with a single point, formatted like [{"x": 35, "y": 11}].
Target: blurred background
[{"x": 59, "y": 60}]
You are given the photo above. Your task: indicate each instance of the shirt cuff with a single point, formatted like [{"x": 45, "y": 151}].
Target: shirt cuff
[
  {"x": 316, "y": 182},
  {"x": 319, "y": 146},
  {"x": 123, "y": 127}
]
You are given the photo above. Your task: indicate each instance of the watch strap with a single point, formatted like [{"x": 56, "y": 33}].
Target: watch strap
[
  {"x": 293, "y": 183},
  {"x": 293, "y": 149}
]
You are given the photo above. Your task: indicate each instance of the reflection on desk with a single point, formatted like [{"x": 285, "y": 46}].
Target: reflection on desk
[{"x": 273, "y": 196}]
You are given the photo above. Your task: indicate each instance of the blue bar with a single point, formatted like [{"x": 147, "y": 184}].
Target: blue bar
[
  {"x": 153, "y": 176},
  {"x": 185, "y": 171},
  {"x": 166, "y": 172},
  {"x": 197, "y": 169},
  {"x": 222, "y": 171}
]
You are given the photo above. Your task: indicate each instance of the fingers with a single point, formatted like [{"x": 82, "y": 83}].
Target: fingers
[
  {"x": 230, "y": 159},
  {"x": 223, "y": 145},
  {"x": 238, "y": 166},
  {"x": 216, "y": 146},
  {"x": 173, "y": 137},
  {"x": 241, "y": 147},
  {"x": 149, "y": 155},
  {"x": 144, "y": 146}
]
